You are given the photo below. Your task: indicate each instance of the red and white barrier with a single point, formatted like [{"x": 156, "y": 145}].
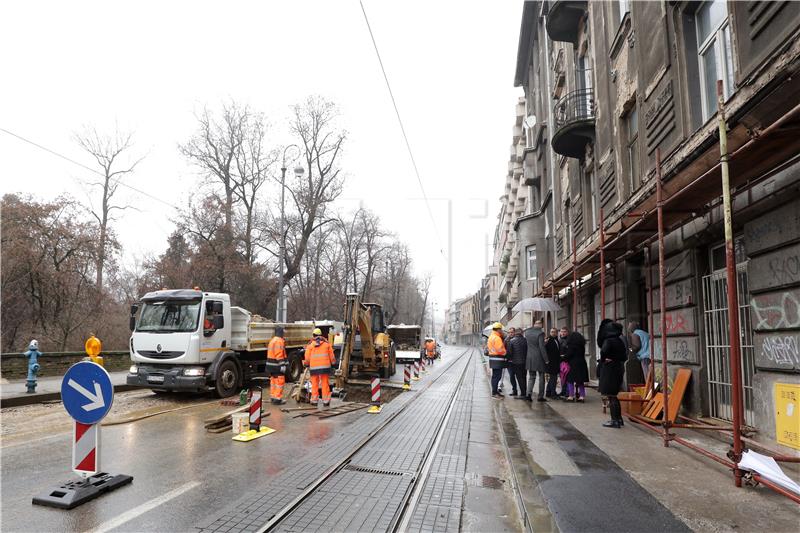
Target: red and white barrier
[
  {"x": 255, "y": 409},
  {"x": 416, "y": 371},
  {"x": 85, "y": 449},
  {"x": 407, "y": 377},
  {"x": 376, "y": 391}
]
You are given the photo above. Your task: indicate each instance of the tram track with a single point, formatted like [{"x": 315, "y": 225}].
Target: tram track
[{"x": 405, "y": 509}]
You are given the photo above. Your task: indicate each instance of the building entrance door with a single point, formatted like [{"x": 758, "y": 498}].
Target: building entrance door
[{"x": 717, "y": 339}]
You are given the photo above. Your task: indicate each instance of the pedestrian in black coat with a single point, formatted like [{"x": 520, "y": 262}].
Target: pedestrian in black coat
[
  {"x": 517, "y": 353},
  {"x": 553, "y": 362},
  {"x": 611, "y": 367},
  {"x": 578, "y": 375}
]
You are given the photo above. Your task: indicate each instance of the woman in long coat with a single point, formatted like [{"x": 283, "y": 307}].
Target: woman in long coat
[
  {"x": 611, "y": 367},
  {"x": 578, "y": 374}
]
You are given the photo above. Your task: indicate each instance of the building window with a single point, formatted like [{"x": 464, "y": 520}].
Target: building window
[
  {"x": 715, "y": 57},
  {"x": 591, "y": 200},
  {"x": 632, "y": 129},
  {"x": 532, "y": 268}
]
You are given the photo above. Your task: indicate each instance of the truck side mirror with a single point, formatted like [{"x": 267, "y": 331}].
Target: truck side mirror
[
  {"x": 218, "y": 321},
  {"x": 217, "y": 308},
  {"x": 132, "y": 322},
  {"x": 134, "y": 309}
]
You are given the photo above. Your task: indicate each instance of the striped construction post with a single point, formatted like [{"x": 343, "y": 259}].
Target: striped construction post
[
  {"x": 255, "y": 409},
  {"x": 416, "y": 371},
  {"x": 376, "y": 395},
  {"x": 423, "y": 365},
  {"x": 86, "y": 449},
  {"x": 407, "y": 377}
]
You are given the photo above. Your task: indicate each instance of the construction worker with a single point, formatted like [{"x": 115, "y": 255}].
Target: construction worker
[
  {"x": 430, "y": 349},
  {"x": 319, "y": 359},
  {"x": 497, "y": 357},
  {"x": 276, "y": 366}
]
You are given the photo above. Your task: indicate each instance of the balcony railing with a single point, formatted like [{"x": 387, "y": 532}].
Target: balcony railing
[{"x": 574, "y": 123}]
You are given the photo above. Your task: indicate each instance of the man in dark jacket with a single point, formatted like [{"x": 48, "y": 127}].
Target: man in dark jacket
[
  {"x": 611, "y": 367},
  {"x": 554, "y": 361},
  {"x": 517, "y": 352},
  {"x": 536, "y": 360}
]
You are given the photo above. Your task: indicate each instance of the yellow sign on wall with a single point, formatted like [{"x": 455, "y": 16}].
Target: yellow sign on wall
[{"x": 787, "y": 414}]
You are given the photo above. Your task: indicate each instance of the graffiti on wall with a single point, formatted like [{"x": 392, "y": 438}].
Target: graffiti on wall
[
  {"x": 777, "y": 310},
  {"x": 775, "y": 269},
  {"x": 679, "y": 349},
  {"x": 679, "y": 294},
  {"x": 778, "y": 351},
  {"x": 678, "y": 322}
]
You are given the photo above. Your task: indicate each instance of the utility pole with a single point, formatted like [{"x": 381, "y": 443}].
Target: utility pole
[{"x": 280, "y": 306}]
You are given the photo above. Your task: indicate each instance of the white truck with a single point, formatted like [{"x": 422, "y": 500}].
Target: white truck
[
  {"x": 190, "y": 340},
  {"x": 406, "y": 342}
]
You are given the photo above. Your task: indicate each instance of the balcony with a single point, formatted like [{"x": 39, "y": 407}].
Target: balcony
[
  {"x": 574, "y": 123},
  {"x": 563, "y": 20}
]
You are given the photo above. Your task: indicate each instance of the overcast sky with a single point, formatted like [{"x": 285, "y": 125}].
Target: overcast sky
[{"x": 149, "y": 66}]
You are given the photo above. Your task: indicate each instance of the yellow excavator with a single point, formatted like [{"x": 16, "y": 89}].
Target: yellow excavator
[{"x": 366, "y": 347}]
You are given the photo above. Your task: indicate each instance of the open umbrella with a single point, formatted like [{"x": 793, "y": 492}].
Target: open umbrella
[{"x": 536, "y": 304}]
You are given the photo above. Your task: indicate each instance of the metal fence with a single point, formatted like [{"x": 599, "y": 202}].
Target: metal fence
[{"x": 575, "y": 106}]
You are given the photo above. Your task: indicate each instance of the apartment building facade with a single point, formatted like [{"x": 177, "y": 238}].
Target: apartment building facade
[{"x": 610, "y": 87}]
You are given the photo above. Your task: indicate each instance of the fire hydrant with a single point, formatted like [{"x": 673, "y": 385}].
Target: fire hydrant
[{"x": 32, "y": 354}]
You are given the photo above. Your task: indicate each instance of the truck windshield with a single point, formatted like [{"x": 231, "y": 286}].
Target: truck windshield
[{"x": 169, "y": 316}]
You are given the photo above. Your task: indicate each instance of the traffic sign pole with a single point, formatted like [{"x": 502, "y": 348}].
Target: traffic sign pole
[{"x": 87, "y": 394}]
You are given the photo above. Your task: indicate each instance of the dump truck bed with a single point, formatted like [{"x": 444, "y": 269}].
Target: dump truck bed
[{"x": 251, "y": 332}]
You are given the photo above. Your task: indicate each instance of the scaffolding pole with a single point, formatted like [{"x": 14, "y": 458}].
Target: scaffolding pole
[
  {"x": 651, "y": 371},
  {"x": 602, "y": 267},
  {"x": 662, "y": 297},
  {"x": 574, "y": 287},
  {"x": 733, "y": 298}
]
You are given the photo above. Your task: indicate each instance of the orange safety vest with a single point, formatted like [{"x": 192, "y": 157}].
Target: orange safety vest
[
  {"x": 319, "y": 358},
  {"x": 497, "y": 349},
  {"x": 276, "y": 351},
  {"x": 430, "y": 348}
]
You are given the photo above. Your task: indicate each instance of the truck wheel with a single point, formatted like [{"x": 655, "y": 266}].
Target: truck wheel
[
  {"x": 226, "y": 381},
  {"x": 295, "y": 369}
]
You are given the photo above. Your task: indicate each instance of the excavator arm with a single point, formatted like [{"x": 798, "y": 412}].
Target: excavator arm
[{"x": 357, "y": 318}]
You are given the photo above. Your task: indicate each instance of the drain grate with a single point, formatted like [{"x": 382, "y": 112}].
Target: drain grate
[{"x": 369, "y": 470}]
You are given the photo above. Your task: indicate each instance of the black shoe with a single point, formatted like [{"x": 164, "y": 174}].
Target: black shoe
[
  {"x": 520, "y": 397},
  {"x": 529, "y": 398},
  {"x": 497, "y": 396},
  {"x": 541, "y": 399},
  {"x": 513, "y": 393},
  {"x": 621, "y": 422},
  {"x": 324, "y": 404},
  {"x": 612, "y": 424},
  {"x": 278, "y": 402}
]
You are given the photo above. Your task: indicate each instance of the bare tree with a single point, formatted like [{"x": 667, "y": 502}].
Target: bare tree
[
  {"x": 254, "y": 162},
  {"x": 321, "y": 141},
  {"x": 108, "y": 151}
]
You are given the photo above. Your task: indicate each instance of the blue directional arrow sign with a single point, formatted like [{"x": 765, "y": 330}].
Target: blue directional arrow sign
[{"x": 87, "y": 392}]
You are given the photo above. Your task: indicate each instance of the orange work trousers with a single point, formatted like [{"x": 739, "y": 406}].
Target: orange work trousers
[
  {"x": 276, "y": 384},
  {"x": 318, "y": 380}
]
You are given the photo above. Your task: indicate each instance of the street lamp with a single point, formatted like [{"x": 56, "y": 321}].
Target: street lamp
[{"x": 280, "y": 306}]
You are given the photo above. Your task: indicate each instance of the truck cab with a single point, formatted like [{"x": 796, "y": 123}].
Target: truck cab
[{"x": 179, "y": 339}]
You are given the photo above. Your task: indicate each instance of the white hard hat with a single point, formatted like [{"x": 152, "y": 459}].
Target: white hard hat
[{"x": 34, "y": 344}]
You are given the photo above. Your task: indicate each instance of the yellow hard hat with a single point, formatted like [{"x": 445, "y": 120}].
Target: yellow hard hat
[
  {"x": 497, "y": 325},
  {"x": 317, "y": 331}
]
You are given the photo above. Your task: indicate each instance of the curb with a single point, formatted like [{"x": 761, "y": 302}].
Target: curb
[{"x": 30, "y": 399}]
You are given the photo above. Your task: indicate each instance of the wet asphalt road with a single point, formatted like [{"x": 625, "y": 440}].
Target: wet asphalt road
[{"x": 181, "y": 473}]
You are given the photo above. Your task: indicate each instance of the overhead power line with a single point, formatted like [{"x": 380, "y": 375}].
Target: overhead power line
[
  {"x": 90, "y": 169},
  {"x": 403, "y": 131}
]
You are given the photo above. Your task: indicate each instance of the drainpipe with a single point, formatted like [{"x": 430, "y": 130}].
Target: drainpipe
[
  {"x": 662, "y": 298},
  {"x": 550, "y": 161}
]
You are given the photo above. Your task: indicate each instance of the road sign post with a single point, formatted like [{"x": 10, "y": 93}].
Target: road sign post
[{"x": 87, "y": 394}]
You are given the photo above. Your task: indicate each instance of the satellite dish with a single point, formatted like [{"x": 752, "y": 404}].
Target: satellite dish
[{"x": 530, "y": 121}]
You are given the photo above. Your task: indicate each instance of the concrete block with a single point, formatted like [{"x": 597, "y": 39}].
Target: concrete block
[
  {"x": 679, "y": 294},
  {"x": 679, "y": 350},
  {"x": 679, "y": 322},
  {"x": 773, "y": 228},
  {"x": 778, "y": 351},
  {"x": 775, "y": 269},
  {"x": 779, "y": 310}
]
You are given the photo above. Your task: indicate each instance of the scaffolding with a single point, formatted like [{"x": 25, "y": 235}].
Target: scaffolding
[{"x": 693, "y": 188}]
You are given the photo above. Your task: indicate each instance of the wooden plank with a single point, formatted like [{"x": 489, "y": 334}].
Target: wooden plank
[
  {"x": 676, "y": 394},
  {"x": 218, "y": 418}
]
